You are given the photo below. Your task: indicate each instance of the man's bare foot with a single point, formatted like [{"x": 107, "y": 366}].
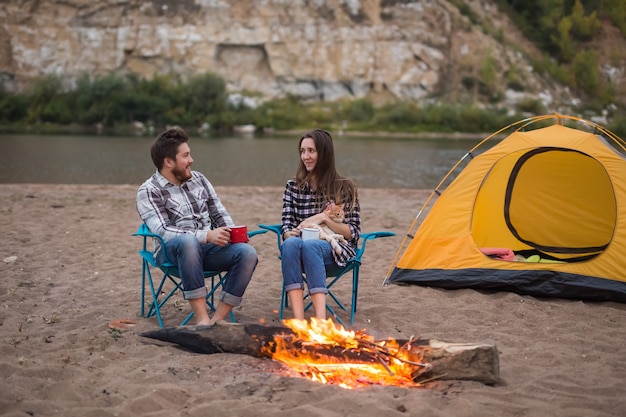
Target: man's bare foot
[{"x": 213, "y": 321}]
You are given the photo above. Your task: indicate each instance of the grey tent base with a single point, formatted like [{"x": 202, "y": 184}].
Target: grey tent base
[{"x": 536, "y": 283}]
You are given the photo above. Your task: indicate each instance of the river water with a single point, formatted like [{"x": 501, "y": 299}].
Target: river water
[{"x": 226, "y": 161}]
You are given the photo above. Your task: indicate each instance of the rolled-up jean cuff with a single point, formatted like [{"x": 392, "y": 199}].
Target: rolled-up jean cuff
[
  {"x": 230, "y": 299},
  {"x": 318, "y": 290},
  {"x": 197, "y": 293},
  {"x": 296, "y": 286}
]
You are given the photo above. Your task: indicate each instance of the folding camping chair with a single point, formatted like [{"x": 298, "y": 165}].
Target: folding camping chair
[
  {"x": 334, "y": 274},
  {"x": 171, "y": 274}
]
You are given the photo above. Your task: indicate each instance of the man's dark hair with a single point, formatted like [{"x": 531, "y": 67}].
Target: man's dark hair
[{"x": 166, "y": 145}]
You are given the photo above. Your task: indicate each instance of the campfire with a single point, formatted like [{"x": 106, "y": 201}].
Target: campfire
[{"x": 324, "y": 351}]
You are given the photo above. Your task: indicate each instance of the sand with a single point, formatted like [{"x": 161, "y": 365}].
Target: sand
[{"x": 69, "y": 266}]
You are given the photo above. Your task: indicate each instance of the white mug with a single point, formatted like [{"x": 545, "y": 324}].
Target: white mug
[{"x": 310, "y": 233}]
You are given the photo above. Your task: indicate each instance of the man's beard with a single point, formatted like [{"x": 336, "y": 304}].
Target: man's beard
[{"x": 181, "y": 174}]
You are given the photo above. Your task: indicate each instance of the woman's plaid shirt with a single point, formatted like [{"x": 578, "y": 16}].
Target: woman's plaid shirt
[{"x": 301, "y": 203}]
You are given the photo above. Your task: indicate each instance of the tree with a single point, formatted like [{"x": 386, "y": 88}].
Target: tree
[
  {"x": 583, "y": 27},
  {"x": 586, "y": 72},
  {"x": 563, "y": 40},
  {"x": 205, "y": 99},
  {"x": 46, "y": 102}
]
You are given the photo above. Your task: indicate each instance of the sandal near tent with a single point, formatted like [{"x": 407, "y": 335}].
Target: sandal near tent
[{"x": 542, "y": 213}]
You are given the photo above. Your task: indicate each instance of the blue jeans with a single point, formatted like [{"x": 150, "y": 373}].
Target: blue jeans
[
  {"x": 192, "y": 258},
  {"x": 310, "y": 257}
]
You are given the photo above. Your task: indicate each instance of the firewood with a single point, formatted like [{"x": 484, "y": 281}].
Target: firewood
[
  {"x": 223, "y": 337},
  {"x": 463, "y": 361},
  {"x": 446, "y": 361}
]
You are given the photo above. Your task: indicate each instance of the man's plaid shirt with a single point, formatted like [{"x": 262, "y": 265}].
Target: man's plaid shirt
[{"x": 170, "y": 210}]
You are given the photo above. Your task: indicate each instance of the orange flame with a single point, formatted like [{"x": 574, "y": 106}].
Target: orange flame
[{"x": 326, "y": 352}]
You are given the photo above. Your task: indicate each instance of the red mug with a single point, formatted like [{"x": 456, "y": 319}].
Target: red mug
[{"x": 238, "y": 234}]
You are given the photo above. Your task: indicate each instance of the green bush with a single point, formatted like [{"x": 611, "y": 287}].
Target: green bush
[
  {"x": 282, "y": 114},
  {"x": 488, "y": 72},
  {"x": 47, "y": 102},
  {"x": 530, "y": 105},
  {"x": 584, "y": 27},
  {"x": 13, "y": 107},
  {"x": 619, "y": 125},
  {"x": 563, "y": 40},
  {"x": 396, "y": 117},
  {"x": 204, "y": 98},
  {"x": 117, "y": 101},
  {"x": 586, "y": 71},
  {"x": 615, "y": 10},
  {"x": 359, "y": 110},
  {"x": 563, "y": 29}
]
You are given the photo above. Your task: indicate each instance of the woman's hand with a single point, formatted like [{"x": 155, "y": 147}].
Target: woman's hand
[{"x": 291, "y": 233}]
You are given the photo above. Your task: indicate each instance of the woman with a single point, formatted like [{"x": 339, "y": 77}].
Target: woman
[{"x": 316, "y": 185}]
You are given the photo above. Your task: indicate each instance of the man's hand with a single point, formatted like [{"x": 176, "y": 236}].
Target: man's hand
[{"x": 219, "y": 236}]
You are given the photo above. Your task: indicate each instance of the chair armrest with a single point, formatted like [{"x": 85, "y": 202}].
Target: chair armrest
[
  {"x": 144, "y": 232},
  {"x": 256, "y": 232},
  {"x": 276, "y": 229},
  {"x": 375, "y": 235},
  {"x": 148, "y": 255},
  {"x": 271, "y": 228},
  {"x": 370, "y": 236}
]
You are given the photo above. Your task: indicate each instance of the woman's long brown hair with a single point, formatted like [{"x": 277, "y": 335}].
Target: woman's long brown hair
[{"x": 329, "y": 184}]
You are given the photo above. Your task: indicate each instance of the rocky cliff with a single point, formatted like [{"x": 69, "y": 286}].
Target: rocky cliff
[{"x": 314, "y": 49}]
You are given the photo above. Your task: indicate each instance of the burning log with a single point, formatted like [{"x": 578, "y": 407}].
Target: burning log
[
  {"x": 247, "y": 339},
  {"x": 426, "y": 359}
]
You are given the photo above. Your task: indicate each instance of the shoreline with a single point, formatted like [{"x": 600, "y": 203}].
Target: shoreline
[
  {"x": 398, "y": 135},
  {"x": 89, "y": 130}
]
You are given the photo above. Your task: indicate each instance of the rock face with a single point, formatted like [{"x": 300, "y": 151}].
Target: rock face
[{"x": 314, "y": 49}]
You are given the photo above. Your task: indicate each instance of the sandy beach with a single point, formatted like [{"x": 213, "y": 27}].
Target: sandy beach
[{"x": 69, "y": 267}]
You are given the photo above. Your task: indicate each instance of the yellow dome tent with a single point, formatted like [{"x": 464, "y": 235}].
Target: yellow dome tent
[{"x": 542, "y": 212}]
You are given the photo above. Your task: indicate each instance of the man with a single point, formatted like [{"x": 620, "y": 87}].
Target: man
[{"x": 182, "y": 206}]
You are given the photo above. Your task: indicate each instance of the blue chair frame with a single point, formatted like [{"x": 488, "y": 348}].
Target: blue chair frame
[
  {"x": 170, "y": 273},
  {"x": 353, "y": 264}
]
